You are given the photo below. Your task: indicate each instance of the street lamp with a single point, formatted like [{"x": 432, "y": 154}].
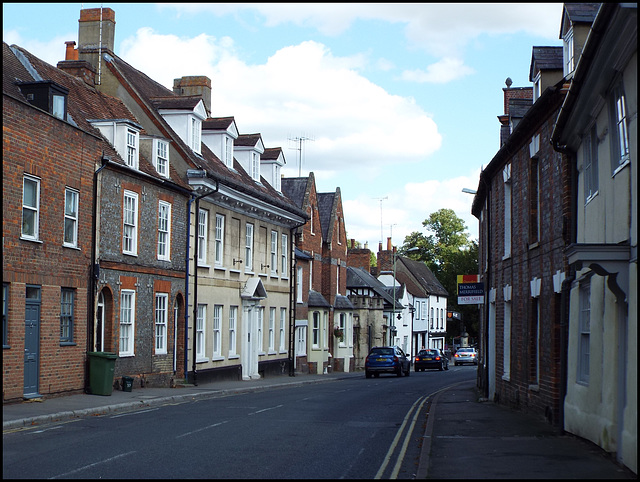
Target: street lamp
[{"x": 469, "y": 191}]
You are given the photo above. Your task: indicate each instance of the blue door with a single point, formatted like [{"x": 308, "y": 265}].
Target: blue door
[{"x": 31, "y": 341}]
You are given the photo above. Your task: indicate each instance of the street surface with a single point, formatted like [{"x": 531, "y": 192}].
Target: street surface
[{"x": 351, "y": 428}]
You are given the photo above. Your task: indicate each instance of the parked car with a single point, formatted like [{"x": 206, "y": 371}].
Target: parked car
[
  {"x": 387, "y": 359},
  {"x": 465, "y": 355},
  {"x": 432, "y": 358}
]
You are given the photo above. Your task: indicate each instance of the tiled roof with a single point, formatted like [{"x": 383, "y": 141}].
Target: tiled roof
[
  {"x": 217, "y": 123},
  {"x": 423, "y": 282},
  {"x": 247, "y": 140},
  {"x": 316, "y": 299},
  {"x": 582, "y": 12},
  {"x": 295, "y": 189},
  {"x": 547, "y": 58},
  {"x": 178, "y": 103},
  {"x": 519, "y": 107},
  {"x": 325, "y": 210},
  {"x": 149, "y": 89},
  {"x": 342, "y": 303},
  {"x": 360, "y": 278},
  {"x": 271, "y": 154}
]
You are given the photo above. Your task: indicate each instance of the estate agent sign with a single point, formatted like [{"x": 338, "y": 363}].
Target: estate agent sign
[{"x": 470, "y": 290}]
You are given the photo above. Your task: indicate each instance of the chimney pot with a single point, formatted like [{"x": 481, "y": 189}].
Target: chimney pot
[{"x": 71, "y": 53}]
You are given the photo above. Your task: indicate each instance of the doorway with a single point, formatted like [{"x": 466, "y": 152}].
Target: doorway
[{"x": 32, "y": 341}]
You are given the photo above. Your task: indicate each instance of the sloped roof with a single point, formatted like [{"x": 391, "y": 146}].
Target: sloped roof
[
  {"x": 217, "y": 123},
  {"x": 325, "y": 209},
  {"x": 148, "y": 89},
  {"x": 84, "y": 102},
  {"x": 183, "y": 102},
  {"x": 248, "y": 140},
  {"x": 316, "y": 299},
  {"x": 342, "y": 303},
  {"x": 271, "y": 154},
  {"x": 360, "y": 278},
  {"x": 295, "y": 188},
  {"x": 545, "y": 58},
  {"x": 422, "y": 282}
]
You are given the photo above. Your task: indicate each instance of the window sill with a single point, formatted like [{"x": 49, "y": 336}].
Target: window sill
[
  {"x": 202, "y": 360},
  {"x": 506, "y": 378},
  {"x": 32, "y": 240},
  {"x": 506, "y": 256},
  {"x": 233, "y": 357},
  {"x": 620, "y": 167},
  {"x": 220, "y": 268},
  {"x": 68, "y": 343},
  {"x": 204, "y": 266},
  {"x": 591, "y": 198},
  {"x": 272, "y": 352},
  {"x": 70, "y": 246},
  {"x": 534, "y": 388},
  {"x": 534, "y": 245},
  {"x": 217, "y": 358}
]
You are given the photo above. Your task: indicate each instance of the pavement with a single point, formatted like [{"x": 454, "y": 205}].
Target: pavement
[{"x": 489, "y": 441}]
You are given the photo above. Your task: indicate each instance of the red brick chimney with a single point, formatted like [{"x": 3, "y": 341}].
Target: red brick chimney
[{"x": 78, "y": 68}]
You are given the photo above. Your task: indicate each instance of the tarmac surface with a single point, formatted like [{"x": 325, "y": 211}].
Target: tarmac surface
[{"x": 490, "y": 442}]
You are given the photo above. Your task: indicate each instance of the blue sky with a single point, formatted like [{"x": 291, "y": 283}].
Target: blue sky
[{"x": 398, "y": 103}]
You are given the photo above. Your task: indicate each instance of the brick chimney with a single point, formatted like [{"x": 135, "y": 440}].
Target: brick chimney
[
  {"x": 385, "y": 258},
  {"x": 78, "y": 68},
  {"x": 96, "y": 36},
  {"x": 194, "y": 85}
]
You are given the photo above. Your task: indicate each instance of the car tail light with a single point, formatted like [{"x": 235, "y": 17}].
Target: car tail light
[
  {"x": 395, "y": 359},
  {"x": 417, "y": 358},
  {"x": 437, "y": 358},
  {"x": 456, "y": 355},
  {"x": 366, "y": 360}
]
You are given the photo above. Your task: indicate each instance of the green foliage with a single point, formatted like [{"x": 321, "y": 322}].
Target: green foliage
[{"x": 447, "y": 251}]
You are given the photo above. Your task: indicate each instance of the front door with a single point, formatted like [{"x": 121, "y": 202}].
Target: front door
[
  {"x": 250, "y": 341},
  {"x": 99, "y": 325},
  {"x": 31, "y": 341}
]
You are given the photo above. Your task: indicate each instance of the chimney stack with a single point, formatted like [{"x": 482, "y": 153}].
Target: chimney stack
[
  {"x": 194, "y": 85},
  {"x": 96, "y": 29},
  {"x": 71, "y": 52},
  {"x": 78, "y": 68}
]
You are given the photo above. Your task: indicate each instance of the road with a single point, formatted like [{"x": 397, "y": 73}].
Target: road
[{"x": 351, "y": 428}]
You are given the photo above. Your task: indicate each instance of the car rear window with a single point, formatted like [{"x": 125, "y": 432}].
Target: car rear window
[
  {"x": 381, "y": 351},
  {"x": 466, "y": 350},
  {"x": 431, "y": 353}
]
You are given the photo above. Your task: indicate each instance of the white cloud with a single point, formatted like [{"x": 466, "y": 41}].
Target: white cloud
[
  {"x": 51, "y": 51},
  {"x": 443, "y": 71}
]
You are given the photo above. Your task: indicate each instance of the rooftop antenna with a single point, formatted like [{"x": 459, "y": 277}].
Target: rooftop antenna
[
  {"x": 299, "y": 141},
  {"x": 381, "y": 199}
]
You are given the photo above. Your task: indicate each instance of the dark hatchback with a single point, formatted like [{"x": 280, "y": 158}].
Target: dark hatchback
[
  {"x": 432, "y": 358},
  {"x": 387, "y": 359}
]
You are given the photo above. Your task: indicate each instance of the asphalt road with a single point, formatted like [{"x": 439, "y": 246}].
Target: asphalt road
[{"x": 352, "y": 428}]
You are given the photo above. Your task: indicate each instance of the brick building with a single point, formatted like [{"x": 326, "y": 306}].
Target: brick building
[{"x": 521, "y": 204}]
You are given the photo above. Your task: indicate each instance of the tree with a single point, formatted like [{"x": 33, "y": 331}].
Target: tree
[{"x": 448, "y": 252}]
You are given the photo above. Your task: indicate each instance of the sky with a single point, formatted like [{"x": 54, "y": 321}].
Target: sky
[{"x": 395, "y": 105}]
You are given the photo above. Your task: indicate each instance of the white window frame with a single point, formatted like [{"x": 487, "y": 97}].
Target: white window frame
[
  {"x": 506, "y": 355},
  {"x": 132, "y": 149},
  {"x": 161, "y": 157},
  {"x": 584, "y": 330},
  {"x": 248, "y": 247},
  {"x": 325, "y": 328},
  {"x": 70, "y": 218},
  {"x": 299, "y": 285},
  {"x": 284, "y": 256},
  {"x": 164, "y": 231},
  {"x": 219, "y": 240},
  {"x": 567, "y": 44},
  {"x": 506, "y": 174},
  {"x": 127, "y": 323},
  {"x": 619, "y": 128},
  {"x": 233, "y": 320},
  {"x": 32, "y": 210},
  {"x": 315, "y": 330},
  {"x": 301, "y": 340},
  {"x": 228, "y": 151},
  {"x": 217, "y": 330},
  {"x": 201, "y": 323},
  {"x": 342, "y": 324},
  {"x": 130, "y": 223},
  {"x": 272, "y": 329},
  {"x": 274, "y": 253},
  {"x": 255, "y": 166},
  {"x": 58, "y": 105},
  {"x": 283, "y": 320},
  {"x": 277, "y": 179},
  {"x": 161, "y": 317},
  {"x": 194, "y": 138},
  {"x": 260, "y": 314},
  {"x": 203, "y": 235}
]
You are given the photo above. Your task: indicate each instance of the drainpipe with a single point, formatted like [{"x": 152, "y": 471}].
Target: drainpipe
[
  {"x": 192, "y": 174},
  {"x": 94, "y": 270}
]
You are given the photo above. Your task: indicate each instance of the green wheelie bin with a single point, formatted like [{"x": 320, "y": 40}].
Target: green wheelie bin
[{"x": 101, "y": 367}]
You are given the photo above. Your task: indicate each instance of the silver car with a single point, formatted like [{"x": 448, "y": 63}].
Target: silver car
[{"x": 465, "y": 355}]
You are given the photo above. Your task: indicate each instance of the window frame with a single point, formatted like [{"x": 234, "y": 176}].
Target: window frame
[
  {"x": 506, "y": 174},
  {"x": 126, "y": 345},
  {"x": 161, "y": 157},
  {"x": 161, "y": 314},
  {"x": 233, "y": 322},
  {"x": 164, "y": 231},
  {"x": 201, "y": 323},
  {"x": 284, "y": 256},
  {"x": 620, "y": 150},
  {"x": 260, "y": 317},
  {"x": 132, "y": 143},
  {"x": 130, "y": 226},
  {"x": 203, "y": 236},
  {"x": 568, "y": 52},
  {"x": 35, "y": 210},
  {"x": 315, "y": 330},
  {"x": 584, "y": 333},
  {"x": 67, "y": 312},
  {"x": 274, "y": 253},
  {"x": 219, "y": 239},
  {"x": 272, "y": 329},
  {"x": 248, "y": 254},
  {"x": 71, "y": 218},
  {"x": 5, "y": 315},
  {"x": 590, "y": 164},
  {"x": 283, "y": 320},
  {"x": 217, "y": 331}
]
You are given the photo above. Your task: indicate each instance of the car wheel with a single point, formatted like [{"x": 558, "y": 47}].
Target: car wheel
[
  {"x": 446, "y": 366},
  {"x": 367, "y": 374},
  {"x": 441, "y": 366},
  {"x": 399, "y": 372}
]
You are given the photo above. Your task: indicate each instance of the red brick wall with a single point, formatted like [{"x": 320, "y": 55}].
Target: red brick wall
[{"x": 61, "y": 156}]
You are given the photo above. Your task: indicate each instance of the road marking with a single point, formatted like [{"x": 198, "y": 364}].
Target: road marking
[
  {"x": 266, "y": 409},
  {"x": 111, "y": 459},
  {"x": 201, "y": 429},
  {"x": 134, "y": 413}
]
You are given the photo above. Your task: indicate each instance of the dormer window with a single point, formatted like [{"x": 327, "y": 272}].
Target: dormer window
[
  {"x": 228, "y": 151},
  {"x": 255, "y": 166},
  {"x": 161, "y": 157},
  {"x": 567, "y": 44},
  {"x": 132, "y": 149},
  {"x": 537, "y": 86},
  {"x": 276, "y": 178},
  {"x": 46, "y": 95},
  {"x": 196, "y": 126}
]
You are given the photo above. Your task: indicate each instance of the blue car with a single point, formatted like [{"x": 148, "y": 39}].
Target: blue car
[{"x": 387, "y": 359}]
